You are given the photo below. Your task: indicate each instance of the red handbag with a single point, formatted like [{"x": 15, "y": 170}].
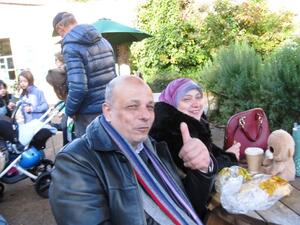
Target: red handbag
[{"x": 250, "y": 128}]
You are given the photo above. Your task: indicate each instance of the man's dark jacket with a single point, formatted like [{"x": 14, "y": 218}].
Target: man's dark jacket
[
  {"x": 94, "y": 183},
  {"x": 166, "y": 127},
  {"x": 90, "y": 65}
]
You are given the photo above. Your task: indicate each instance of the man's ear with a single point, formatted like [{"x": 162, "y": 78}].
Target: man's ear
[{"x": 106, "y": 110}]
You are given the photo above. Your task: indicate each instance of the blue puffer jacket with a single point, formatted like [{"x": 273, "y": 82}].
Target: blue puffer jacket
[{"x": 90, "y": 65}]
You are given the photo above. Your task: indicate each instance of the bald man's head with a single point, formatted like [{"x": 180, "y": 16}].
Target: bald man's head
[
  {"x": 120, "y": 83},
  {"x": 129, "y": 106}
]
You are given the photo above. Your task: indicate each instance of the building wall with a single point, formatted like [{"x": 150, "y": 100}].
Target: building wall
[{"x": 29, "y": 28}]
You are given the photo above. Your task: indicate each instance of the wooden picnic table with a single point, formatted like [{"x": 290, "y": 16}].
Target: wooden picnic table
[{"x": 284, "y": 212}]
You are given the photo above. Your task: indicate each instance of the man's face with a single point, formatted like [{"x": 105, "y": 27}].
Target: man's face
[
  {"x": 60, "y": 30},
  {"x": 131, "y": 112}
]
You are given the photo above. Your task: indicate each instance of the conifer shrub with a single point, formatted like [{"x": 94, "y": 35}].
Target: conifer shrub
[
  {"x": 281, "y": 86},
  {"x": 239, "y": 79},
  {"x": 233, "y": 77}
]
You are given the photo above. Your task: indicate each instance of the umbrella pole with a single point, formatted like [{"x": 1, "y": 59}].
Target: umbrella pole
[{"x": 122, "y": 55}]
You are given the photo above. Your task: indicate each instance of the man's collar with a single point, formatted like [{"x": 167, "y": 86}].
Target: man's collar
[
  {"x": 97, "y": 138},
  {"x": 139, "y": 147}
]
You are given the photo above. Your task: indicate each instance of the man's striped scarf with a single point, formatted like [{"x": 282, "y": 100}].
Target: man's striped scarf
[{"x": 171, "y": 200}]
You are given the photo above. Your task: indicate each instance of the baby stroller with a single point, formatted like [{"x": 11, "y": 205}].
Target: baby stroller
[{"x": 21, "y": 150}]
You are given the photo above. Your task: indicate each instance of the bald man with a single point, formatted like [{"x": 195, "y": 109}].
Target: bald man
[{"x": 115, "y": 174}]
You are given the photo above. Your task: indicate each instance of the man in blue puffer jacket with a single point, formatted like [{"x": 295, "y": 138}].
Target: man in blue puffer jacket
[{"x": 90, "y": 65}]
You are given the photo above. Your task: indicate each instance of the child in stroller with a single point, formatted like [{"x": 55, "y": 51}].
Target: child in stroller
[{"x": 21, "y": 151}]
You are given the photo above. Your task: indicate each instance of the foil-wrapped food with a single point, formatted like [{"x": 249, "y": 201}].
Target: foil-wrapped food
[
  {"x": 240, "y": 192},
  {"x": 276, "y": 185}
]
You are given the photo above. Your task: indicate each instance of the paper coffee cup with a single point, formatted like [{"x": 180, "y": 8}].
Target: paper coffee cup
[{"x": 254, "y": 157}]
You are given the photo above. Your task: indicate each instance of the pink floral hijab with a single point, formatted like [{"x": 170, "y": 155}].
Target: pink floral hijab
[{"x": 176, "y": 89}]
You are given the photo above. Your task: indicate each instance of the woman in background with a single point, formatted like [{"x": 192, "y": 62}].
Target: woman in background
[
  {"x": 6, "y": 107},
  {"x": 33, "y": 101}
]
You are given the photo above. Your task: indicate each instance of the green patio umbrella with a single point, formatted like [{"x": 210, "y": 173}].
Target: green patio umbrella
[{"x": 117, "y": 33}]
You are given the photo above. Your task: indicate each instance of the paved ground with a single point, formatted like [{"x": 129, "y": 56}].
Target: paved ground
[{"x": 22, "y": 206}]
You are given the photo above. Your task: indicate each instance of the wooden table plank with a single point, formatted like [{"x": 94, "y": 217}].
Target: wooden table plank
[
  {"x": 234, "y": 219},
  {"x": 293, "y": 201},
  {"x": 296, "y": 183},
  {"x": 255, "y": 215},
  {"x": 280, "y": 214}
]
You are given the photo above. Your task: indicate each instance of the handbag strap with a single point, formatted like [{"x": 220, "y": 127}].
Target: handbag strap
[{"x": 242, "y": 123}]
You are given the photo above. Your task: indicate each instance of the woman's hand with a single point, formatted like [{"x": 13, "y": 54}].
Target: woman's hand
[
  {"x": 28, "y": 109},
  {"x": 235, "y": 149},
  {"x": 11, "y": 106}
]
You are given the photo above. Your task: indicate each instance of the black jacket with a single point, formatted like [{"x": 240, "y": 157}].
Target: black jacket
[
  {"x": 93, "y": 182},
  {"x": 166, "y": 127},
  {"x": 4, "y": 102}
]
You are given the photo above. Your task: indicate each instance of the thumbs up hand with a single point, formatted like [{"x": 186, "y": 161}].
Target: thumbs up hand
[{"x": 193, "y": 152}]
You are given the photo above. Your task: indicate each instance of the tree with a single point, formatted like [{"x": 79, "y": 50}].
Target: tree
[
  {"x": 250, "y": 21},
  {"x": 175, "y": 45},
  {"x": 281, "y": 86},
  {"x": 183, "y": 39}
]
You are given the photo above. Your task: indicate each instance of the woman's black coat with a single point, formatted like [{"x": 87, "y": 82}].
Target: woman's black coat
[{"x": 166, "y": 127}]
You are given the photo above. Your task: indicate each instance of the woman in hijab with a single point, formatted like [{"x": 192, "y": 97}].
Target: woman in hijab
[{"x": 182, "y": 101}]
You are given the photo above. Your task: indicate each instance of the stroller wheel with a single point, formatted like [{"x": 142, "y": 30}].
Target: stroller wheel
[
  {"x": 42, "y": 184},
  {"x": 2, "y": 188},
  {"x": 45, "y": 165}
]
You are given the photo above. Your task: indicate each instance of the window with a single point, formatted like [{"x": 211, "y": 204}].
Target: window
[
  {"x": 7, "y": 68},
  {"x": 5, "y": 47}
]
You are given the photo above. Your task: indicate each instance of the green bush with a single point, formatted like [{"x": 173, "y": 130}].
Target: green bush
[
  {"x": 162, "y": 78},
  {"x": 187, "y": 33},
  {"x": 161, "y": 81},
  {"x": 233, "y": 77},
  {"x": 281, "y": 88},
  {"x": 240, "y": 80}
]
